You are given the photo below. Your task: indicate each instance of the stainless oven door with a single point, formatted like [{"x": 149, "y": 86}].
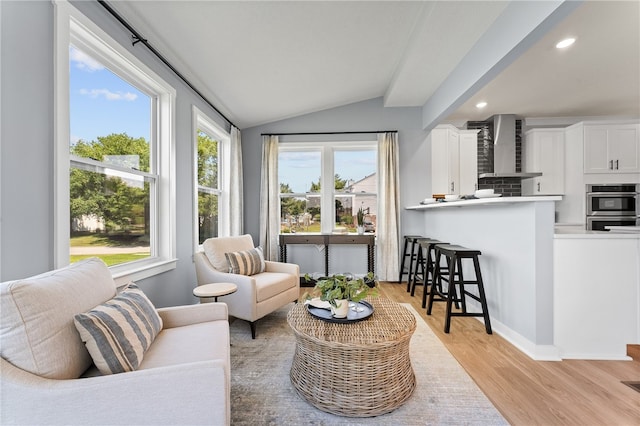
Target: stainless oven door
[
  {"x": 597, "y": 223},
  {"x": 611, "y": 204}
]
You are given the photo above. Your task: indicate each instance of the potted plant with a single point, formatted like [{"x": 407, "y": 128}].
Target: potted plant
[
  {"x": 340, "y": 289},
  {"x": 360, "y": 220}
]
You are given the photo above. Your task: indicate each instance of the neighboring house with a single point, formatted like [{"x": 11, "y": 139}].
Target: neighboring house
[{"x": 369, "y": 203}]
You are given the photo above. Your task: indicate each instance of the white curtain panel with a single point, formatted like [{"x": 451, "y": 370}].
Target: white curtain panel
[
  {"x": 269, "y": 198},
  {"x": 388, "y": 226},
  {"x": 235, "y": 184}
]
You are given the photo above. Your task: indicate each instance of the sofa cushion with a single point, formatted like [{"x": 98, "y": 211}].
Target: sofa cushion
[
  {"x": 246, "y": 262},
  {"x": 37, "y": 330},
  {"x": 190, "y": 343},
  {"x": 118, "y": 332},
  {"x": 215, "y": 249}
]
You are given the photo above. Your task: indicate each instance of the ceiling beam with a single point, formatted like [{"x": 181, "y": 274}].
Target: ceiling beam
[{"x": 520, "y": 26}]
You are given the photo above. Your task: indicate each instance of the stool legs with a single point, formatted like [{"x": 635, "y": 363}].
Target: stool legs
[
  {"x": 404, "y": 255},
  {"x": 483, "y": 299},
  {"x": 436, "y": 283},
  {"x": 456, "y": 264},
  {"x": 412, "y": 256},
  {"x": 420, "y": 266}
]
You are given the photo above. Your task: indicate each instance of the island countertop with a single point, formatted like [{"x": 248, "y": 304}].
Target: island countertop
[{"x": 484, "y": 201}]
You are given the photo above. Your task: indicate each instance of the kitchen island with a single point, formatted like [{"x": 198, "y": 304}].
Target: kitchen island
[
  {"x": 553, "y": 292},
  {"x": 596, "y": 292},
  {"x": 515, "y": 236}
]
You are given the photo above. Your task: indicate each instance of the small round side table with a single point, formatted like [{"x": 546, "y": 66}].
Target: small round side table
[{"x": 215, "y": 290}]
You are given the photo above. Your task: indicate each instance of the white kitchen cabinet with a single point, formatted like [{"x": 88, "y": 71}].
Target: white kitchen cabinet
[
  {"x": 454, "y": 160},
  {"x": 543, "y": 152},
  {"x": 611, "y": 148},
  {"x": 468, "y": 155}
]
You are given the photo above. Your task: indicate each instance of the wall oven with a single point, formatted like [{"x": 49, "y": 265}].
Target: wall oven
[{"x": 612, "y": 205}]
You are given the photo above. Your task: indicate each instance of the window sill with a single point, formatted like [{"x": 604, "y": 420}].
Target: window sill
[{"x": 140, "y": 272}]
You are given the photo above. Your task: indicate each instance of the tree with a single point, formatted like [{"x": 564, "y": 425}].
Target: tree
[
  {"x": 207, "y": 180},
  {"x": 117, "y": 201},
  {"x": 339, "y": 184},
  {"x": 290, "y": 206}
]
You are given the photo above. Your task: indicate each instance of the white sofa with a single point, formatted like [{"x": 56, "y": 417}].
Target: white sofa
[{"x": 47, "y": 376}]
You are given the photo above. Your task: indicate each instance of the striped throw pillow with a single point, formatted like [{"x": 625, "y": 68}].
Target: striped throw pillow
[
  {"x": 248, "y": 262},
  {"x": 118, "y": 332}
]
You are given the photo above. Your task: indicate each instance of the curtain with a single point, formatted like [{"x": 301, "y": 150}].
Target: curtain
[
  {"x": 269, "y": 198},
  {"x": 235, "y": 184},
  {"x": 388, "y": 225}
]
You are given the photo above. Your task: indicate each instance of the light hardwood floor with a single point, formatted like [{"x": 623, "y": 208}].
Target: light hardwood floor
[{"x": 528, "y": 392}]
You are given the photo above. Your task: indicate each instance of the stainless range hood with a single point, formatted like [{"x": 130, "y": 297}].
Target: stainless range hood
[{"x": 504, "y": 149}]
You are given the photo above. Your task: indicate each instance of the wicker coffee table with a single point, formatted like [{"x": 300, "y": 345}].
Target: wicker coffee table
[{"x": 360, "y": 369}]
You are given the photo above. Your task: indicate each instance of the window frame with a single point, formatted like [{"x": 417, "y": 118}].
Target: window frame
[
  {"x": 72, "y": 27},
  {"x": 203, "y": 122},
  {"x": 327, "y": 169}
]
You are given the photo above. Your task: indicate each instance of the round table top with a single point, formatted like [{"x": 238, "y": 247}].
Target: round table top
[
  {"x": 214, "y": 289},
  {"x": 390, "y": 322}
]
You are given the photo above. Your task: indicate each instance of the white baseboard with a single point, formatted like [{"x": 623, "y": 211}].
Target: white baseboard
[{"x": 533, "y": 351}]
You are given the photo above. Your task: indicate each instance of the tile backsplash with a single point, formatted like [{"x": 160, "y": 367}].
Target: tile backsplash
[{"x": 508, "y": 187}]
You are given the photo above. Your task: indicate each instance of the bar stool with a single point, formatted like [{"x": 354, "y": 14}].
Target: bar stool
[
  {"x": 408, "y": 239},
  {"x": 454, "y": 255},
  {"x": 424, "y": 272}
]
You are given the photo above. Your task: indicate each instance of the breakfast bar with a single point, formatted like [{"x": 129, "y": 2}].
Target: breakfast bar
[{"x": 515, "y": 236}]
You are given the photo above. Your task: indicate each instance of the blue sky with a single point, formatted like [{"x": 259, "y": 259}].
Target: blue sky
[
  {"x": 102, "y": 103},
  {"x": 300, "y": 169}
]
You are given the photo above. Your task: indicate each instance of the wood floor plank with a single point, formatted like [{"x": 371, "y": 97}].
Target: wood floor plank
[{"x": 528, "y": 392}]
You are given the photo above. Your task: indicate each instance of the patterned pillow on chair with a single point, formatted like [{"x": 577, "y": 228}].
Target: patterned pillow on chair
[{"x": 248, "y": 262}]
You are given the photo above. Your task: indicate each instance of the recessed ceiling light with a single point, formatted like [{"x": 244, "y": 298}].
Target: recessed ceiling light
[
  {"x": 481, "y": 105},
  {"x": 565, "y": 43}
]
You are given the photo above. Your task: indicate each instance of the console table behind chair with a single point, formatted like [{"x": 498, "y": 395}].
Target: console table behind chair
[{"x": 330, "y": 239}]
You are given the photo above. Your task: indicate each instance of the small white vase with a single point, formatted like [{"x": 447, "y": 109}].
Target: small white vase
[
  {"x": 360, "y": 229},
  {"x": 341, "y": 310}
]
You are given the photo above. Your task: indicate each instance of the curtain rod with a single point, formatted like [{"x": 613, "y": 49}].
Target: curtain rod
[
  {"x": 137, "y": 38},
  {"x": 328, "y": 133}
]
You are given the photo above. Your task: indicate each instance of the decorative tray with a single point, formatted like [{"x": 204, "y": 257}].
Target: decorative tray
[{"x": 365, "y": 311}]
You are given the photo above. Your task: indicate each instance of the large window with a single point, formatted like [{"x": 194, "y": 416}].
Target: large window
[
  {"x": 212, "y": 177},
  {"x": 323, "y": 185},
  {"x": 115, "y": 199}
]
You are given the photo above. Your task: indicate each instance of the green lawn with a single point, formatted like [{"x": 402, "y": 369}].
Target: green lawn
[
  {"x": 99, "y": 241},
  {"x": 103, "y": 240},
  {"x": 110, "y": 259}
]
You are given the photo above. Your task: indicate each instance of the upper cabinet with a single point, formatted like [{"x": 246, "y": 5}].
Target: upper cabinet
[
  {"x": 611, "y": 148},
  {"x": 454, "y": 160},
  {"x": 543, "y": 151}
]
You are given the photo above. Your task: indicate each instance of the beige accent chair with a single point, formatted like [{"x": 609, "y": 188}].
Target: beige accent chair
[{"x": 257, "y": 295}]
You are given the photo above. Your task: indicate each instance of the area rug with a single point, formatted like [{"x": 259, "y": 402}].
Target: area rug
[{"x": 262, "y": 393}]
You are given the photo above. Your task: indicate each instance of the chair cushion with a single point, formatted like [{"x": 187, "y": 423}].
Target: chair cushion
[
  {"x": 215, "y": 249},
  {"x": 269, "y": 284},
  {"x": 118, "y": 332},
  {"x": 247, "y": 262},
  {"x": 37, "y": 330}
]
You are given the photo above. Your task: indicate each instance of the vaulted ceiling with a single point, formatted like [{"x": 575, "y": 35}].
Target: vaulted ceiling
[{"x": 262, "y": 61}]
